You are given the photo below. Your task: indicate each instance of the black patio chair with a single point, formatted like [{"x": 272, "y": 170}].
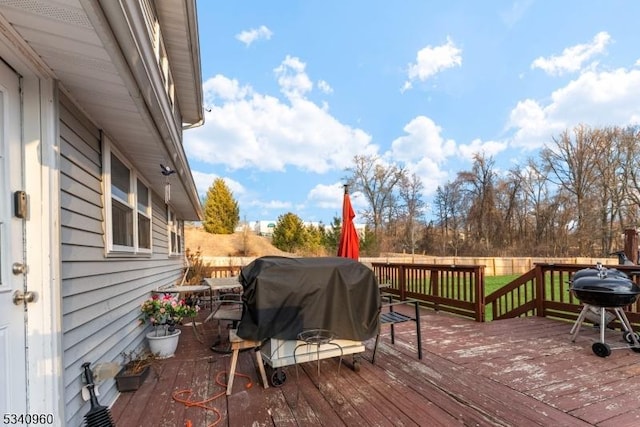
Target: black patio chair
[
  {"x": 389, "y": 316},
  {"x": 227, "y": 310}
]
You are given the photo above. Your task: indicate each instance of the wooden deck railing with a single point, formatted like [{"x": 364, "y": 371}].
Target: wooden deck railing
[
  {"x": 457, "y": 289},
  {"x": 223, "y": 271},
  {"x": 544, "y": 291}
]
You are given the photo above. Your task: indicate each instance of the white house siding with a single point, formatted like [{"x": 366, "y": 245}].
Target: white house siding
[{"x": 101, "y": 294}]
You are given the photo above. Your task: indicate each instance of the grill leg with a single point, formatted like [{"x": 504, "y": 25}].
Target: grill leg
[
  {"x": 603, "y": 323},
  {"x": 576, "y": 326},
  {"x": 627, "y": 325}
]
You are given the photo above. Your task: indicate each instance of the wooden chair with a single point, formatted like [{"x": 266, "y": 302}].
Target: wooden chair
[
  {"x": 389, "y": 316},
  {"x": 238, "y": 344}
]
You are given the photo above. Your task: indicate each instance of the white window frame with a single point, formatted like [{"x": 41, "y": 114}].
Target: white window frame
[
  {"x": 174, "y": 225},
  {"x": 144, "y": 211},
  {"x": 131, "y": 202}
]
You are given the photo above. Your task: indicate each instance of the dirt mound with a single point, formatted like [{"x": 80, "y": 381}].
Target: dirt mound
[{"x": 238, "y": 244}]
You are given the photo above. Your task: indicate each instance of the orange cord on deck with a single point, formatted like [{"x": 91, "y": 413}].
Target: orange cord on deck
[{"x": 178, "y": 397}]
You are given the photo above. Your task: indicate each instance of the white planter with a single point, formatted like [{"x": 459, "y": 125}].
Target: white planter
[{"x": 163, "y": 344}]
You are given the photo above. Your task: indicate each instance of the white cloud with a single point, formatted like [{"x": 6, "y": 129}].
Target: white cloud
[
  {"x": 533, "y": 125},
  {"x": 269, "y": 205},
  {"x": 245, "y": 129},
  {"x": 432, "y": 60},
  {"x": 324, "y": 87},
  {"x": 573, "y": 57},
  {"x": 246, "y": 197},
  {"x": 293, "y": 80},
  {"x": 424, "y": 151},
  {"x": 430, "y": 173},
  {"x": 204, "y": 180},
  {"x": 330, "y": 197},
  {"x": 595, "y": 98},
  {"x": 423, "y": 139},
  {"x": 327, "y": 196},
  {"x": 221, "y": 88},
  {"x": 249, "y": 36},
  {"x": 477, "y": 146},
  {"x": 599, "y": 98}
]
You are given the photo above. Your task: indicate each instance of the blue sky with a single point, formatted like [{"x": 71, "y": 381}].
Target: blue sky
[{"x": 295, "y": 89}]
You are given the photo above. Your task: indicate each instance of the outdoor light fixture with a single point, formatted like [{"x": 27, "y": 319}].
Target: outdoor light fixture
[{"x": 167, "y": 171}]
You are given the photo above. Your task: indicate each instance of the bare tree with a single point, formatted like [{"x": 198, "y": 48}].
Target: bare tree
[
  {"x": 412, "y": 206},
  {"x": 575, "y": 199},
  {"x": 377, "y": 181},
  {"x": 508, "y": 198},
  {"x": 609, "y": 199},
  {"x": 540, "y": 206},
  {"x": 480, "y": 189},
  {"x": 629, "y": 144},
  {"x": 570, "y": 160},
  {"x": 450, "y": 211}
]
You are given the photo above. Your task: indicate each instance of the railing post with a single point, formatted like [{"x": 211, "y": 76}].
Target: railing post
[
  {"x": 631, "y": 244},
  {"x": 540, "y": 290},
  {"x": 435, "y": 282},
  {"x": 479, "y": 291},
  {"x": 402, "y": 284}
]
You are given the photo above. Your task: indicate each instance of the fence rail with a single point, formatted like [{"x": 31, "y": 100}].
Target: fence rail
[
  {"x": 545, "y": 291},
  {"x": 222, "y": 271},
  {"x": 460, "y": 289},
  {"x": 457, "y": 289},
  {"x": 493, "y": 266}
]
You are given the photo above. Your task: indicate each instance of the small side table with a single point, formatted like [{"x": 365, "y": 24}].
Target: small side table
[{"x": 238, "y": 344}]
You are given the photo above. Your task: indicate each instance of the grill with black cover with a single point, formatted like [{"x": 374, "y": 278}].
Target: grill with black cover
[{"x": 284, "y": 297}]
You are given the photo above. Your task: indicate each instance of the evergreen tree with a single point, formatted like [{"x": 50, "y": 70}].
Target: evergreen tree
[
  {"x": 367, "y": 242},
  {"x": 314, "y": 240},
  {"x": 332, "y": 236},
  {"x": 289, "y": 234},
  {"x": 221, "y": 211}
]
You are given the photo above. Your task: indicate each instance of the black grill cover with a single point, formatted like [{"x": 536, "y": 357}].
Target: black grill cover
[{"x": 284, "y": 296}]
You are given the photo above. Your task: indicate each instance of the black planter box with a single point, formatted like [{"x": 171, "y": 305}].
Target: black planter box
[{"x": 131, "y": 382}]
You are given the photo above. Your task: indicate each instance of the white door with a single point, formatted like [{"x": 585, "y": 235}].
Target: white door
[{"x": 13, "y": 317}]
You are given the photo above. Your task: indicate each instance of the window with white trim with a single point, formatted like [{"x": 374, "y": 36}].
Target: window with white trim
[
  {"x": 174, "y": 232},
  {"x": 127, "y": 206}
]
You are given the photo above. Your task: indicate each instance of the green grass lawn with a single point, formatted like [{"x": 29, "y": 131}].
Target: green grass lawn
[{"x": 493, "y": 283}]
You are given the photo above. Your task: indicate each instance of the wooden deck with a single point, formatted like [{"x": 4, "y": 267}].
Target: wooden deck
[{"x": 516, "y": 372}]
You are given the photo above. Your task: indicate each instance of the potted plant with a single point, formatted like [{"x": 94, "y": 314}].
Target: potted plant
[
  {"x": 164, "y": 312},
  {"x": 134, "y": 370}
]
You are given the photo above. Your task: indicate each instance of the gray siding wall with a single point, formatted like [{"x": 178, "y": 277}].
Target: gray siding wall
[{"x": 101, "y": 295}]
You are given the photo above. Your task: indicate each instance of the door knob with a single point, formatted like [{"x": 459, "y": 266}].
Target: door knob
[
  {"x": 20, "y": 297},
  {"x": 18, "y": 268}
]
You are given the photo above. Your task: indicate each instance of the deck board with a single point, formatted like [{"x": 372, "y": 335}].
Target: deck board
[{"x": 511, "y": 372}]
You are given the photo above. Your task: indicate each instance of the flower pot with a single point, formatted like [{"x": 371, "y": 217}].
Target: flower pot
[
  {"x": 163, "y": 344},
  {"x": 131, "y": 382}
]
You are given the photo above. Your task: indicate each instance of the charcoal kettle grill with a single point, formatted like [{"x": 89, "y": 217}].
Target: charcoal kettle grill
[{"x": 604, "y": 291}]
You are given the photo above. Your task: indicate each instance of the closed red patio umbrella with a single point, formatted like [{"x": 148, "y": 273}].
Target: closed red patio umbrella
[{"x": 349, "y": 246}]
